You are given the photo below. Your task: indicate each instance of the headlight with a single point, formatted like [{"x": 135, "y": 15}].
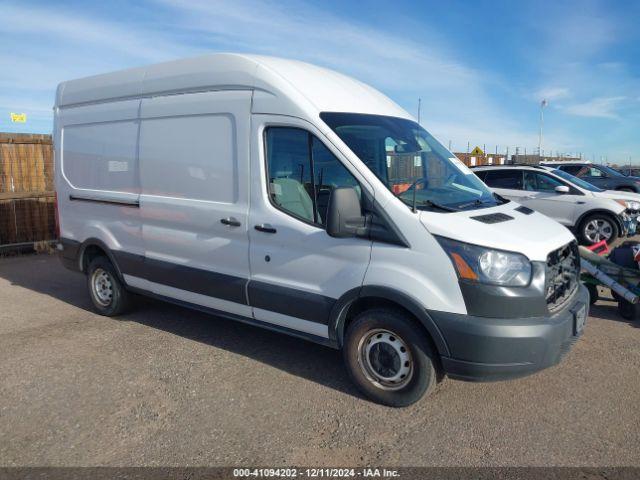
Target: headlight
[
  {"x": 486, "y": 265},
  {"x": 630, "y": 204}
]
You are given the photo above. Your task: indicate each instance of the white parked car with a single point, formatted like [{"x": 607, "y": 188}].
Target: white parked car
[
  {"x": 592, "y": 213},
  {"x": 295, "y": 198}
]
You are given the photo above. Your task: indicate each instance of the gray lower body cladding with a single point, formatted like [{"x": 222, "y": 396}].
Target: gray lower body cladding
[
  {"x": 476, "y": 348},
  {"x": 487, "y": 349}
]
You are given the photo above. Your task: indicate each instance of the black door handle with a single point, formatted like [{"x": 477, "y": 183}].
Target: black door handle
[
  {"x": 230, "y": 221},
  {"x": 265, "y": 227}
]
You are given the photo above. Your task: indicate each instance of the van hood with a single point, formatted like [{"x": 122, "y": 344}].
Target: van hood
[{"x": 533, "y": 235}]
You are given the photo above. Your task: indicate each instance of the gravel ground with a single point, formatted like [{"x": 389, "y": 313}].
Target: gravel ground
[{"x": 168, "y": 386}]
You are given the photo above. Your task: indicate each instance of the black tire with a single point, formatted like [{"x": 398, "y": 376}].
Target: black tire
[
  {"x": 583, "y": 234},
  {"x": 593, "y": 292},
  {"x": 396, "y": 331},
  {"x": 626, "y": 189},
  {"x": 628, "y": 310},
  {"x": 108, "y": 295}
]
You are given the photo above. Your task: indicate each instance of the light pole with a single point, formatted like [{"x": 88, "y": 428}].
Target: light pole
[{"x": 543, "y": 104}]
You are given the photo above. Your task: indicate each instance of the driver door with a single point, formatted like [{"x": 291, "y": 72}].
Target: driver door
[{"x": 297, "y": 270}]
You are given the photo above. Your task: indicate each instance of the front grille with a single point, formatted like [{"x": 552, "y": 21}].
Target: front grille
[{"x": 563, "y": 268}]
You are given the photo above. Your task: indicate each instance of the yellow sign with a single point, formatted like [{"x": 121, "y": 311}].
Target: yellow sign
[
  {"x": 477, "y": 151},
  {"x": 18, "y": 117}
]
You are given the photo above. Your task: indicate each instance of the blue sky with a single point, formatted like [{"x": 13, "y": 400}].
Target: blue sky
[{"x": 480, "y": 67}]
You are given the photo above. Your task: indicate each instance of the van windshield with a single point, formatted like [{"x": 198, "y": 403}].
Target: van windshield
[{"x": 409, "y": 161}]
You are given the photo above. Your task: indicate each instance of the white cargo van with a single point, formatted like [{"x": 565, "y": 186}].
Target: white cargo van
[{"x": 298, "y": 199}]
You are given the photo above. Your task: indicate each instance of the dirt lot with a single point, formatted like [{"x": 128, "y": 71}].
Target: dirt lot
[{"x": 169, "y": 386}]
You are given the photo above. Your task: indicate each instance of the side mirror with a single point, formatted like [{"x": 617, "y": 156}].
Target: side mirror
[
  {"x": 562, "y": 189},
  {"x": 344, "y": 214}
]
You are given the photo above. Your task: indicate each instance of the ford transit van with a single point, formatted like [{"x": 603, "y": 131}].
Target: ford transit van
[{"x": 295, "y": 198}]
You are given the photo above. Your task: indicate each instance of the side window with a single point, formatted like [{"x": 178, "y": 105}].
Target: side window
[
  {"x": 509, "y": 179},
  {"x": 289, "y": 170},
  {"x": 595, "y": 172},
  {"x": 329, "y": 173},
  {"x": 302, "y": 173},
  {"x": 539, "y": 182}
]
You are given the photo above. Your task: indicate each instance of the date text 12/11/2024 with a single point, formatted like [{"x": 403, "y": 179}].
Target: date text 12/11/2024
[{"x": 315, "y": 473}]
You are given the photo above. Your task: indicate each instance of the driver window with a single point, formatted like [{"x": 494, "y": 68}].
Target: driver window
[
  {"x": 289, "y": 167},
  {"x": 329, "y": 173},
  {"x": 302, "y": 173}
]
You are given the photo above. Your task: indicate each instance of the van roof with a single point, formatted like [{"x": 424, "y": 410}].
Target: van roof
[{"x": 281, "y": 86}]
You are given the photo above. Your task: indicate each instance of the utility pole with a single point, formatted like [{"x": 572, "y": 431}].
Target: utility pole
[
  {"x": 543, "y": 104},
  {"x": 419, "y": 107}
]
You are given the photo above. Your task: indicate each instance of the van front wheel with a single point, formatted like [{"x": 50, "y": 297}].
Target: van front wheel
[
  {"x": 389, "y": 357},
  {"x": 107, "y": 293}
]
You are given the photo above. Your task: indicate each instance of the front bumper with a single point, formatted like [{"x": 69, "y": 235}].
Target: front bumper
[{"x": 489, "y": 349}]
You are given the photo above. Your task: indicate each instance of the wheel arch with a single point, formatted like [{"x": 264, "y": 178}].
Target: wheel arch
[
  {"x": 92, "y": 247},
  {"x": 360, "y": 299},
  {"x": 601, "y": 211}
]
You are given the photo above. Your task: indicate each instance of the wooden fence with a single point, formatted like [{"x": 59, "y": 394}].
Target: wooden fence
[{"x": 27, "y": 198}]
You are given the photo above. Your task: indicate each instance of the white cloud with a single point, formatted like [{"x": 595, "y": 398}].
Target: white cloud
[
  {"x": 551, "y": 93},
  {"x": 46, "y": 45},
  {"x": 67, "y": 26},
  {"x": 452, "y": 92},
  {"x": 72, "y": 44},
  {"x": 602, "y": 107}
]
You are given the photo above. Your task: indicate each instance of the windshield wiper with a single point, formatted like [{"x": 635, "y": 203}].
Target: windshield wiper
[
  {"x": 429, "y": 203},
  {"x": 477, "y": 202},
  {"x": 500, "y": 198},
  {"x": 432, "y": 204},
  {"x": 470, "y": 204}
]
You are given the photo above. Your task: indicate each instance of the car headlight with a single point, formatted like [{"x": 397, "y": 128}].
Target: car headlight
[
  {"x": 486, "y": 265},
  {"x": 630, "y": 204}
]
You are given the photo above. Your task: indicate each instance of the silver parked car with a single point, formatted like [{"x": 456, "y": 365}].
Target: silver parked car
[{"x": 592, "y": 213}]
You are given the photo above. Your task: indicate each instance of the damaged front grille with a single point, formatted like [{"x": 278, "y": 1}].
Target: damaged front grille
[{"x": 563, "y": 269}]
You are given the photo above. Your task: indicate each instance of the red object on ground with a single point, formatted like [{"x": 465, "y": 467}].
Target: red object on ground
[{"x": 601, "y": 248}]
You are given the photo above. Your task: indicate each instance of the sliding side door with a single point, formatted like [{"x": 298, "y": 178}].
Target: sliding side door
[{"x": 194, "y": 170}]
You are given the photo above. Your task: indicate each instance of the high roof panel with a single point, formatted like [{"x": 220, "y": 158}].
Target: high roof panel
[{"x": 283, "y": 86}]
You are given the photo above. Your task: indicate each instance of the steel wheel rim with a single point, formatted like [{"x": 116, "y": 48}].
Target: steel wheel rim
[
  {"x": 597, "y": 230},
  {"x": 102, "y": 287},
  {"x": 385, "y": 359}
]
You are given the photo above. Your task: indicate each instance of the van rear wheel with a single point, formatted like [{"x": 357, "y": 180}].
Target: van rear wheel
[
  {"x": 107, "y": 292},
  {"x": 389, "y": 357}
]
